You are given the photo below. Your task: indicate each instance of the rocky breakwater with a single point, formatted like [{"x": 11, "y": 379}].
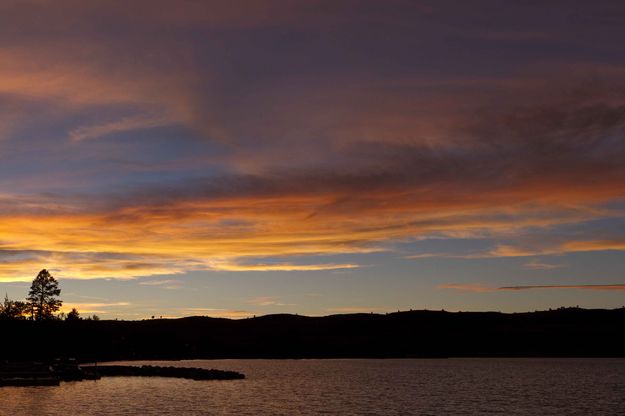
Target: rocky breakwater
[
  {"x": 27, "y": 374},
  {"x": 42, "y": 374},
  {"x": 156, "y": 371}
]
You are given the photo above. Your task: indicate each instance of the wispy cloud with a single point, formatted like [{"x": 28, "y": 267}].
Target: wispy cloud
[
  {"x": 98, "y": 307},
  {"x": 538, "y": 265},
  {"x": 468, "y": 287},
  {"x": 124, "y": 124},
  {"x": 281, "y": 267},
  {"x": 557, "y": 248},
  {"x": 268, "y": 301},
  {"x": 531, "y": 249},
  {"x": 165, "y": 284},
  {"x": 428, "y": 256}
]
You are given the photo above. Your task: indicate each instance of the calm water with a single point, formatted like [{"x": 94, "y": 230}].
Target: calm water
[{"x": 347, "y": 387}]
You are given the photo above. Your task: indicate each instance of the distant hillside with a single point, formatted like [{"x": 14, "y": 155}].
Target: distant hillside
[{"x": 562, "y": 332}]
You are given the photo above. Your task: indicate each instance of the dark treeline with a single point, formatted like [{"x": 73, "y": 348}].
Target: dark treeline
[
  {"x": 42, "y": 303},
  {"x": 561, "y": 332}
]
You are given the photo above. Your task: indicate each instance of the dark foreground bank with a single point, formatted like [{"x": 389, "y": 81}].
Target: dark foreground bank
[{"x": 562, "y": 332}]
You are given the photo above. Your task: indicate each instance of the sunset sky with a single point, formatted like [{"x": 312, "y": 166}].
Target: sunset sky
[{"x": 239, "y": 158}]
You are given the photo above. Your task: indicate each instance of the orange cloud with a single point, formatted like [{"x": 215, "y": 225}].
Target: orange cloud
[
  {"x": 594, "y": 245},
  {"x": 231, "y": 233},
  {"x": 558, "y": 248}
]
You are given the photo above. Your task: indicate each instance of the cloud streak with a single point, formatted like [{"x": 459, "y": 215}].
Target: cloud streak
[
  {"x": 615, "y": 287},
  {"x": 480, "y": 288}
]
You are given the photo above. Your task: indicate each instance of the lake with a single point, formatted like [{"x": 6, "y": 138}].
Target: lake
[{"x": 346, "y": 387}]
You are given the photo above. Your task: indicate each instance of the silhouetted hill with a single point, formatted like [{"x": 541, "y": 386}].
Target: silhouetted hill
[{"x": 562, "y": 332}]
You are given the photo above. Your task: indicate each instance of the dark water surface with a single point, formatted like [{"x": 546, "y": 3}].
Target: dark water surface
[{"x": 346, "y": 387}]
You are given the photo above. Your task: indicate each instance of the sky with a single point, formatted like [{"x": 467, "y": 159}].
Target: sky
[{"x": 240, "y": 158}]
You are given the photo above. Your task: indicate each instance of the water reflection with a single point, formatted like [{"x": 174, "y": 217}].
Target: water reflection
[{"x": 348, "y": 387}]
